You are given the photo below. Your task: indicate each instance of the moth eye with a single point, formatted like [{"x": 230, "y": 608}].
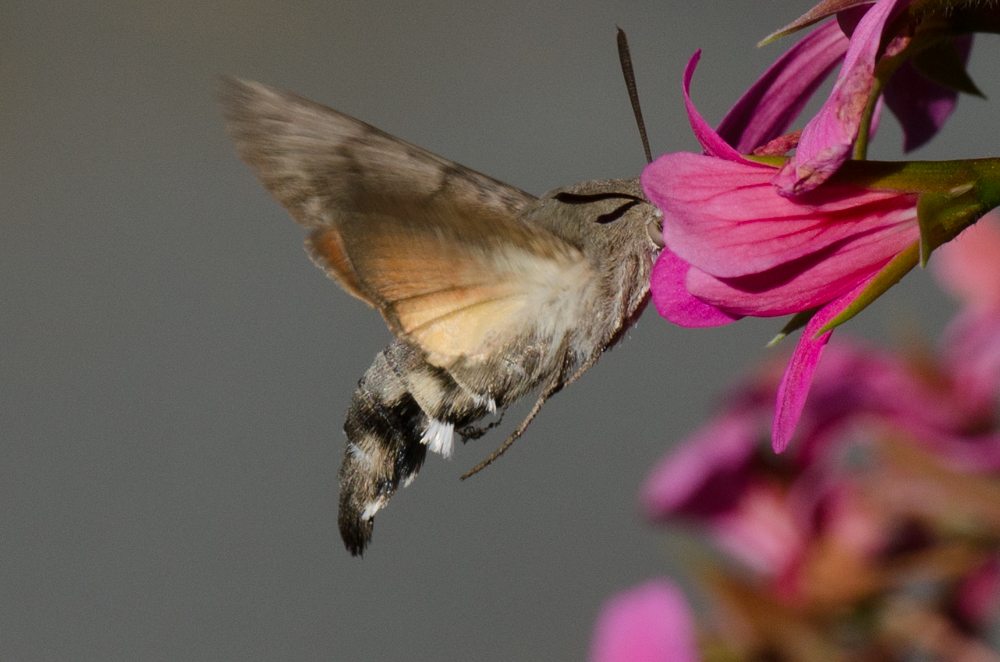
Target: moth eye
[
  {"x": 616, "y": 214},
  {"x": 655, "y": 229}
]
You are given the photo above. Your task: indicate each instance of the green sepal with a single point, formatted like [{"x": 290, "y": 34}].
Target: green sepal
[
  {"x": 942, "y": 64},
  {"x": 799, "y": 320},
  {"x": 930, "y": 207},
  {"x": 952, "y": 10},
  {"x": 974, "y": 17},
  {"x": 890, "y": 274},
  {"x": 775, "y": 161},
  {"x": 941, "y": 216},
  {"x": 814, "y": 15},
  {"x": 953, "y": 16}
]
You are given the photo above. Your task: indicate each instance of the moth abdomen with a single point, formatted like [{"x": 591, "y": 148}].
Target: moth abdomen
[
  {"x": 384, "y": 450},
  {"x": 435, "y": 389},
  {"x": 402, "y": 408}
]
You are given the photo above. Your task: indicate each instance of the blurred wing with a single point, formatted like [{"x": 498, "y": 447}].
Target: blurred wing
[{"x": 437, "y": 248}]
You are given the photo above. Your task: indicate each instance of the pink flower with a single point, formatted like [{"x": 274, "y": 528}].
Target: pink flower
[
  {"x": 763, "y": 531},
  {"x": 827, "y": 140},
  {"x": 718, "y": 478},
  {"x": 881, "y": 33},
  {"x": 736, "y": 247},
  {"x": 766, "y": 512},
  {"x": 708, "y": 474},
  {"x": 649, "y": 623},
  {"x": 968, "y": 268}
]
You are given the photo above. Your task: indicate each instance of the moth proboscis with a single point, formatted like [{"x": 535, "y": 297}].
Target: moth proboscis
[{"x": 490, "y": 292}]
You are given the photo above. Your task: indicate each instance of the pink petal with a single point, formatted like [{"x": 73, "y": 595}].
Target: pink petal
[
  {"x": 968, "y": 268},
  {"x": 807, "y": 282},
  {"x": 762, "y": 532},
  {"x": 674, "y": 302},
  {"x": 706, "y": 135},
  {"x": 706, "y": 474},
  {"x": 920, "y": 104},
  {"x": 828, "y": 138},
  {"x": 726, "y": 219},
  {"x": 795, "y": 384},
  {"x": 649, "y": 623},
  {"x": 766, "y": 110}
]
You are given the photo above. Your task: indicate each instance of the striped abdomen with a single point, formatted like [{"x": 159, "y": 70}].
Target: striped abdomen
[{"x": 402, "y": 407}]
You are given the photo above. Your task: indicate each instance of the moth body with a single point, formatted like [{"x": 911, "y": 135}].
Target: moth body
[{"x": 490, "y": 292}]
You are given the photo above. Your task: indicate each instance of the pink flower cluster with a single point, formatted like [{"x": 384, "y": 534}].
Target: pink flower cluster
[
  {"x": 884, "y": 521},
  {"x": 750, "y": 233},
  {"x": 877, "y": 535}
]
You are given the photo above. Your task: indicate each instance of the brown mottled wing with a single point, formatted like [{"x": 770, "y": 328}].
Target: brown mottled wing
[{"x": 437, "y": 248}]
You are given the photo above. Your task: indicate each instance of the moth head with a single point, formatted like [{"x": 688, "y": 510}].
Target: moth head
[{"x": 612, "y": 218}]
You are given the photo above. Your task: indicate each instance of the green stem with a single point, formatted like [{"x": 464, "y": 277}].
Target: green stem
[
  {"x": 922, "y": 176},
  {"x": 861, "y": 144},
  {"x": 883, "y": 72}
]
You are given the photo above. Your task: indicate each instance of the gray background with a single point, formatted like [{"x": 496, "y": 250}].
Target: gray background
[{"x": 175, "y": 370}]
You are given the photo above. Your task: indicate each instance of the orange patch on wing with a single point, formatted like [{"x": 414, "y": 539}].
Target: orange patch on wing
[{"x": 326, "y": 245}]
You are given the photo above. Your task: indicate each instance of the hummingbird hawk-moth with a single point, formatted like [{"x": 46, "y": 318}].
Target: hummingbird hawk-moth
[{"x": 491, "y": 292}]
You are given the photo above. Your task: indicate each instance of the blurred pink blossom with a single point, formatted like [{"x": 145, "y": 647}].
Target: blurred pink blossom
[
  {"x": 649, "y": 623},
  {"x": 767, "y": 511},
  {"x": 968, "y": 267},
  {"x": 977, "y": 597}
]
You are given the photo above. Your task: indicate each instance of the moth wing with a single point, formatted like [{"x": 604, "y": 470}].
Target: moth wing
[{"x": 439, "y": 249}]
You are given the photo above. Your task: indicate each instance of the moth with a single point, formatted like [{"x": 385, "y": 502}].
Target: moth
[{"x": 491, "y": 293}]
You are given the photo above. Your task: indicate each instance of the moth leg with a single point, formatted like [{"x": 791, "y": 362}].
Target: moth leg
[
  {"x": 587, "y": 365},
  {"x": 474, "y": 432},
  {"x": 551, "y": 389}
]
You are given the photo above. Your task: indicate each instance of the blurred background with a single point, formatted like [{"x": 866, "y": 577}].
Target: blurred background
[{"x": 174, "y": 370}]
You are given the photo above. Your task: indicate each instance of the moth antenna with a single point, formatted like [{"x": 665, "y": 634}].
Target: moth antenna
[
  {"x": 625, "y": 56},
  {"x": 550, "y": 390}
]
